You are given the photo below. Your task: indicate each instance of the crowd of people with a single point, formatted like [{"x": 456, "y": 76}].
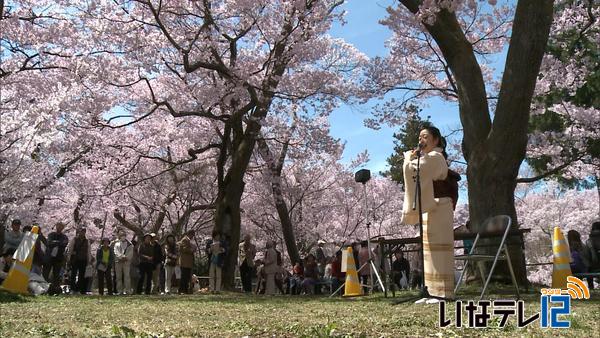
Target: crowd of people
[
  {"x": 585, "y": 257},
  {"x": 154, "y": 266}
]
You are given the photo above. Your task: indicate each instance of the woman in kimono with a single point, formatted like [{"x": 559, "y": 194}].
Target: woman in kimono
[{"x": 437, "y": 208}]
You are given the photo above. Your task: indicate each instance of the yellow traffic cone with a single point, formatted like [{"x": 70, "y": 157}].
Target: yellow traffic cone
[
  {"x": 562, "y": 257},
  {"x": 18, "y": 276},
  {"x": 352, "y": 286}
]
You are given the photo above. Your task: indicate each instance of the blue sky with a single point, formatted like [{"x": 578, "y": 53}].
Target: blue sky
[{"x": 364, "y": 32}]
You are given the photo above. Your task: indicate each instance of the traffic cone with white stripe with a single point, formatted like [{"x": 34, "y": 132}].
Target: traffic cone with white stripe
[
  {"x": 352, "y": 287},
  {"x": 562, "y": 257},
  {"x": 18, "y": 276}
]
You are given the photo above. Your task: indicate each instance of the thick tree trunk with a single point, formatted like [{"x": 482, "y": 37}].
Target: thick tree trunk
[{"x": 227, "y": 213}]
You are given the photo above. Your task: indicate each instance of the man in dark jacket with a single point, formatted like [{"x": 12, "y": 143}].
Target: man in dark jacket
[
  {"x": 79, "y": 253},
  {"x": 55, "y": 256},
  {"x": 157, "y": 285},
  {"x": 105, "y": 259},
  {"x": 146, "y": 257},
  {"x": 399, "y": 266}
]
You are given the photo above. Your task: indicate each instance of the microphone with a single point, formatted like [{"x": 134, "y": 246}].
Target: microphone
[{"x": 419, "y": 148}]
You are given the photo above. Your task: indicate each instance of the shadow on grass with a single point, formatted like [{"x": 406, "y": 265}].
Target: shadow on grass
[{"x": 7, "y": 297}]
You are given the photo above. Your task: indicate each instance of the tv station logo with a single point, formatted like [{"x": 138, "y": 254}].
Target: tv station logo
[{"x": 555, "y": 309}]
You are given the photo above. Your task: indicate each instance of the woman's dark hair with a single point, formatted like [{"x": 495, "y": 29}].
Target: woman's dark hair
[
  {"x": 574, "y": 239},
  {"x": 435, "y": 132}
]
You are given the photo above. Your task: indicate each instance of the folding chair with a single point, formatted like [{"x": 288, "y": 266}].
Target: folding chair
[{"x": 497, "y": 223}]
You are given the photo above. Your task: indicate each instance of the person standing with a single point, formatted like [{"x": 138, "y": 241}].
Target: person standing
[
  {"x": 158, "y": 263},
  {"x": 134, "y": 265},
  {"x": 105, "y": 258},
  {"x": 171, "y": 257},
  {"x": 270, "y": 268},
  {"x": 79, "y": 253},
  {"x": 123, "y": 255},
  {"x": 217, "y": 259},
  {"x": 186, "y": 261},
  {"x": 13, "y": 238},
  {"x": 437, "y": 192},
  {"x": 55, "y": 256},
  {"x": 247, "y": 252},
  {"x": 146, "y": 256},
  {"x": 363, "y": 265},
  {"x": 320, "y": 257}
]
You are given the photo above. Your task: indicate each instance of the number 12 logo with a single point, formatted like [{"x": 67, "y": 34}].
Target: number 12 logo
[{"x": 554, "y": 311}]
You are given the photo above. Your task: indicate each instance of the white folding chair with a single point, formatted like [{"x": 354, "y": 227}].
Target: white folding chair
[{"x": 500, "y": 223}]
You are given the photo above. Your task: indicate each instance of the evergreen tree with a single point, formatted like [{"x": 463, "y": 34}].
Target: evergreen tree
[{"x": 406, "y": 139}]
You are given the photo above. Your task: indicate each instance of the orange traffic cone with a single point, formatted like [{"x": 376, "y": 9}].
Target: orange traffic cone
[
  {"x": 18, "y": 276},
  {"x": 352, "y": 287},
  {"x": 562, "y": 257}
]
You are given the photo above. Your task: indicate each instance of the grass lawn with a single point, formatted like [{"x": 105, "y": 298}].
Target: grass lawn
[{"x": 233, "y": 314}]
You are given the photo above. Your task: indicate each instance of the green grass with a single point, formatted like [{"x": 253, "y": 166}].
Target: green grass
[{"x": 236, "y": 315}]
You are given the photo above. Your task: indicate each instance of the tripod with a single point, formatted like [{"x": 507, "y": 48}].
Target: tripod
[{"x": 370, "y": 262}]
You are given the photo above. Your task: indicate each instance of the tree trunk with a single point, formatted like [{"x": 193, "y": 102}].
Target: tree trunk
[
  {"x": 495, "y": 151},
  {"x": 283, "y": 212},
  {"x": 227, "y": 213},
  {"x": 598, "y": 191}
]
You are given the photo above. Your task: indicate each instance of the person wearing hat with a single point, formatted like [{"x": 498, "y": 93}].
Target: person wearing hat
[
  {"x": 13, "y": 237},
  {"x": 320, "y": 257},
  {"x": 79, "y": 254},
  {"x": 6, "y": 262},
  {"x": 146, "y": 256},
  {"x": 186, "y": 261},
  {"x": 171, "y": 256},
  {"x": 105, "y": 258},
  {"x": 123, "y": 255},
  {"x": 593, "y": 243}
]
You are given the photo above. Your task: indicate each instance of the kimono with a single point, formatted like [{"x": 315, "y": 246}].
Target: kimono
[{"x": 438, "y": 237}]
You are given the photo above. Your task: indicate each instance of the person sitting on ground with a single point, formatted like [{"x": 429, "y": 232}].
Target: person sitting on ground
[
  {"x": 580, "y": 255},
  {"x": 6, "y": 262},
  {"x": 296, "y": 278},
  {"x": 593, "y": 244},
  {"x": 311, "y": 275},
  {"x": 105, "y": 258},
  {"x": 13, "y": 237},
  {"x": 401, "y": 270}
]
